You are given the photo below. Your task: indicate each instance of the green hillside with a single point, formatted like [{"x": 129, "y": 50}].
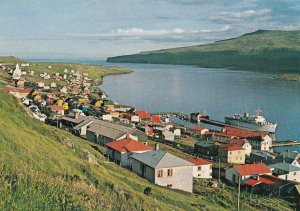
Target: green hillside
[
  {"x": 263, "y": 50},
  {"x": 44, "y": 168}
]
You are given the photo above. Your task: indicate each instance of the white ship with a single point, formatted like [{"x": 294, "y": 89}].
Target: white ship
[{"x": 254, "y": 122}]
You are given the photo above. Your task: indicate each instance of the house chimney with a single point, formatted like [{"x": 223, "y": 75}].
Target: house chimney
[
  {"x": 156, "y": 146},
  {"x": 76, "y": 114}
]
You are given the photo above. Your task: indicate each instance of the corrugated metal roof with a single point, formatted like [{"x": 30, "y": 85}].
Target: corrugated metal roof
[
  {"x": 160, "y": 159},
  {"x": 285, "y": 167},
  {"x": 85, "y": 122}
]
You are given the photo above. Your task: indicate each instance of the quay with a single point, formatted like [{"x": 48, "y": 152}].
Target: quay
[
  {"x": 286, "y": 143},
  {"x": 213, "y": 122}
]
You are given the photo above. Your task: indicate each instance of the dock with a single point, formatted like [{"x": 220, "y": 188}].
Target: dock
[
  {"x": 213, "y": 122},
  {"x": 288, "y": 143}
]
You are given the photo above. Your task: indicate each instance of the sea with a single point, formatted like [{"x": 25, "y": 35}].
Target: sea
[{"x": 219, "y": 92}]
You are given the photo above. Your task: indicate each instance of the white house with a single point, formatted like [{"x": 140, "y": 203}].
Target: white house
[
  {"x": 202, "y": 168},
  {"x": 286, "y": 171},
  {"x": 40, "y": 84},
  {"x": 168, "y": 135},
  {"x": 121, "y": 150},
  {"x": 292, "y": 158},
  {"x": 164, "y": 169},
  {"x": 107, "y": 117},
  {"x": 177, "y": 132},
  {"x": 242, "y": 173},
  {"x": 244, "y": 143},
  {"x": 135, "y": 118}
]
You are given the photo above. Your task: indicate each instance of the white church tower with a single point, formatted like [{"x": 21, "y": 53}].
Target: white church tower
[{"x": 17, "y": 72}]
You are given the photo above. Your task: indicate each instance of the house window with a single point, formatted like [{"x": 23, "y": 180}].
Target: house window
[
  {"x": 199, "y": 175},
  {"x": 169, "y": 185},
  {"x": 210, "y": 174},
  {"x": 268, "y": 187},
  {"x": 274, "y": 189},
  {"x": 230, "y": 153},
  {"x": 295, "y": 173},
  {"x": 199, "y": 168},
  {"x": 170, "y": 172},
  {"x": 160, "y": 173}
]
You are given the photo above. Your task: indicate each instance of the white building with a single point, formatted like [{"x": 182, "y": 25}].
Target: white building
[
  {"x": 244, "y": 143},
  {"x": 202, "y": 168},
  {"x": 242, "y": 173},
  {"x": 286, "y": 171},
  {"x": 17, "y": 73},
  {"x": 107, "y": 117},
  {"x": 164, "y": 169}
]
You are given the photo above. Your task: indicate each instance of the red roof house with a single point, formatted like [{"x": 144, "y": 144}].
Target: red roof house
[
  {"x": 120, "y": 150},
  {"x": 242, "y": 173},
  {"x": 202, "y": 168},
  {"x": 144, "y": 115},
  {"x": 155, "y": 119}
]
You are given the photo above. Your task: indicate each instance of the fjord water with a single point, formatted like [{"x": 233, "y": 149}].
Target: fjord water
[{"x": 219, "y": 92}]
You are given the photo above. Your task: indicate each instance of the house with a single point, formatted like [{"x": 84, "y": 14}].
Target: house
[
  {"x": 143, "y": 115},
  {"x": 258, "y": 156},
  {"x": 217, "y": 136},
  {"x": 232, "y": 153},
  {"x": 198, "y": 131},
  {"x": 243, "y": 173},
  {"x": 107, "y": 117},
  {"x": 271, "y": 184},
  {"x": 202, "y": 168},
  {"x": 292, "y": 158},
  {"x": 177, "y": 132},
  {"x": 101, "y": 132},
  {"x": 40, "y": 84},
  {"x": 59, "y": 110},
  {"x": 64, "y": 90},
  {"x": 53, "y": 85},
  {"x": 155, "y": 119},
  {"x": 206, "y": 148},
  {"x": 244, "y": 143},
  {"x": 17, "y": 92},
  {"x": 109, "y": 104},
  {"x": 164, "y": 169},
  {"x": 259, "y": 141},
  {"x": 286, "y": 171},
  {"x": 168, "y": 135},
  {"x": 121, "y": 150}
]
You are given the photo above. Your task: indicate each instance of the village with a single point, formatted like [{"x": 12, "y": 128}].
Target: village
[{"x": 72, "y": 100}]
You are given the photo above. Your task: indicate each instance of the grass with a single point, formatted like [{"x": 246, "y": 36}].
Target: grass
[
  {"x": 265, "y": 51},
  {"x": 44, "y": 168}
]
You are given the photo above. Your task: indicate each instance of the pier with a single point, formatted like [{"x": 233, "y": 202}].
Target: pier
[
  {"x": 288, "y": 143},
  {"x": 213, "y": 122}
]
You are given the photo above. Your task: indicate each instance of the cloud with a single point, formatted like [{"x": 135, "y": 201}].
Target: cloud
[
  {"x": 238, "y": 16},
  {"x": 140, "y": 33}
]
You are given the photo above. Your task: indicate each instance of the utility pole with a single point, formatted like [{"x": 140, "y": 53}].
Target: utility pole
[
  {"x": 219, "y": 171},
  {"x": 239, "y": 193}
]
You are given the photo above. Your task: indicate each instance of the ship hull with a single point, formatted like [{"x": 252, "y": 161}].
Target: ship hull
[{"x": 271, "y": 128}]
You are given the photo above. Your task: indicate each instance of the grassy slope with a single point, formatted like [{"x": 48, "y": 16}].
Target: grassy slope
[
  {"x": 261, "y": 50},
  {"x": 95, "y": 72},
  {"x": 39, "y": 169}
]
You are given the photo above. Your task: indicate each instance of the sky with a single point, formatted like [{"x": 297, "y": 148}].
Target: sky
[{"x": 103, "y": 28}]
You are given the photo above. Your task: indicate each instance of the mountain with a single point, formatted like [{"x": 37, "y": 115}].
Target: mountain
[
  {"x": 45, "y": 168},
  {"x": 263, "y": 50}
]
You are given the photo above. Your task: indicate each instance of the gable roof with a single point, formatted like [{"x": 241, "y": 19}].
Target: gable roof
[
  {"x": 199, "y": 161},
  {"x": 128, "y": 145},
  {"x": 285, "y": 167},
  {"x": 155, "y": 118},
  {"x": 14, "y": 89},
  {"x": 240, "y": 142},
  {"x": 252, "y": 169},
  {"x": 160, "y": 159},
  {"x": 230, "y": 147},
  {"x": 143, "y": 114},
  {"x": 272, "y": 180},
  {"x": 242, "y": 133}
]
